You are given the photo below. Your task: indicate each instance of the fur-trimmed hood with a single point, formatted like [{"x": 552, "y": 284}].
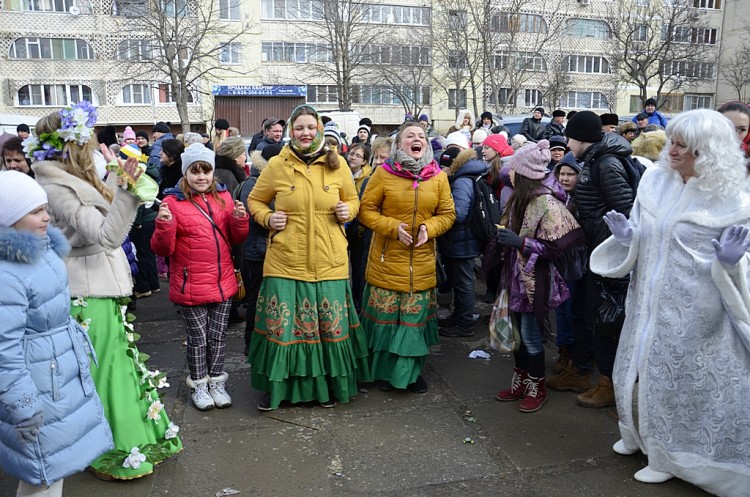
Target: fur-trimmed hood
[
  {"x": 26, "y": 247},
  {"x": 258, "y": 161},
  {"x": 463, "y": 158}
]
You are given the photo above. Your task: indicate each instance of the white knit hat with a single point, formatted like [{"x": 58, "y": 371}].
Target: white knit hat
[
  {"x": 479, "y": 136},
  {"x": 195, "y": 153},
  {"x": 457, "y": 138},
  {"x": 19, "y": 195}
]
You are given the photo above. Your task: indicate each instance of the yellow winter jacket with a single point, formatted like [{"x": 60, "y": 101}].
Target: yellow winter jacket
[
  {"x": 312, "y": 247},
  {"x": 389, "y": 201}
]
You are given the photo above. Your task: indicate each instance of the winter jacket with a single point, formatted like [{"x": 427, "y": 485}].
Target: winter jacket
[
  {"x": 312, "y": 246},
  {"x": 655, "y": 118},
  {"x": 390, "y": 200},
  {"x": 257, "y": 239},
  {"x": 97, "y": 266},
  {"x": 171, "y": 176},
  {"x": 264, "y": 143},
  {"x": 256, "y": 139},
  {"x": 228, "y": 173},
  {"x": 44, "y": 364},
  {"x": 201, "y": 269},
  {"x": 459, "y": 242},
  {"x": 553, "y": 129},
  {"x": 154, "y": 158},
  {"x": 532, "y": 129},
  {"x": 613, "y": 192}
]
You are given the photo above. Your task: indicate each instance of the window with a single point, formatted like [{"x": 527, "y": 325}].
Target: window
[
  {"x": 584, "y": 100},
  {"x": 390, "y": 95},
  {"x": 396, "y": 55},
  {"x": 395, "y": 14},
  {"x": 457, "y": 99},
  {"x": 457, "y": 60},
  {"x": 698, "y": 101},
  {"x": 641, "y": 3},
  {"x": 137, "y": 94},
  {"x": 51, "y": 48},
  {"x": 689, "y": 69},
  {"x": 518, "y": 23},
  {"x": 53, "y": 95},
  {"x": 504, "y": 97},
  {"x": 587, "y": 28},
  {"x": 457, "y": 20},
  {"x": 230, "y": 53},
  {"x": 640, "y": 33},
  {"x": 309, "y": 10},
  {"x": 166, "y": 95},
  {"x": 229, "y": 10},
  {"x": 134, "y": 50},
  {"x": 707, "y": 4},
  {"x": 322, "y": 93},
  {"x": 130, "y": 8},
  {"x": 532, "y": 98},
  {"x": 522, "y": 61},
  {"x": 688, "y": 34},
  {"x": 49, "y": 6},
  {"x": 586, "y": 64},
  {"x": 177, "y": 8},
  {"x": 281, "y": 51}
]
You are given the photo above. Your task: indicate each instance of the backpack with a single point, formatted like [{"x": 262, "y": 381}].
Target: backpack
[
  {"x": 633, "y": 167},
  {"x": 484, "y": 217}
]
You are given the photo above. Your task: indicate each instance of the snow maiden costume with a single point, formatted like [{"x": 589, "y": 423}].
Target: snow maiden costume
[
  {"x": 683, "y": 359},
  {"x": 99, "y": 281}
]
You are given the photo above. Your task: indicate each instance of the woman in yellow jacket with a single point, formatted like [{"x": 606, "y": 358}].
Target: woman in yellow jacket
[
  {"x": 407, "y": 204},
  {"x": 307, "y": 344}
]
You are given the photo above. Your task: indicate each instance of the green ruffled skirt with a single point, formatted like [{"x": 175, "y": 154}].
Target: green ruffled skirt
[
  {"x": 307, "y": 340},
  {"x": 400, "y": 327},
  {"x": 128, "y": 392}
]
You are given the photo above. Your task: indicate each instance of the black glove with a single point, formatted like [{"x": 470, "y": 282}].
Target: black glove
[
  {"x": 29, "y": 429},
  {"x": 508, "y": 238}
]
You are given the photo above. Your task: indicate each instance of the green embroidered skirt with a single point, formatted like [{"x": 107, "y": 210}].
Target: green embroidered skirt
[
  {"x": 307, "y": 339},
  {"x": 128, "y": 392},
  {"x": 400, "y": 327}
]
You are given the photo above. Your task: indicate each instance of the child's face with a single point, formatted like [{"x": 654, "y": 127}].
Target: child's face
[
  {"x": 198, "y": 179},
  {"x": 35, "y": 221}
]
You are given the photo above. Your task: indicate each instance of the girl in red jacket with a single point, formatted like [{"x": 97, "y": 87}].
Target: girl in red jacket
[{"x": 196, "y": 227}]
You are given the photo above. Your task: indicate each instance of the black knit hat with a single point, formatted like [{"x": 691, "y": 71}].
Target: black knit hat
[
  {"x": 557, "y": 141},
  {"x": 610, "y": 119},
  {"x": 571, "y": 114},
  {"x": 271, "y": 150},
  {"x": 487, "y": 115},
  {"x": 142, "y": 134},
  {"x": 161, "y": 127},
  {"x": 650, "y": 101},
  {"x": 366, "y": 121},
  {"x": 558, "y": 113},
  {"x": 447, "y": 158},
  {"x": 641, "y": 116},
  {"x": 584, "y": 126},
  {"x": 540, "y": 109},
  {"x": 221, "y": 124},
  {"x": 23, "y": 127}
]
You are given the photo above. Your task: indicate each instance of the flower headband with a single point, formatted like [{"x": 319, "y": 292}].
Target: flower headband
[{"x": 77, "y": 124}]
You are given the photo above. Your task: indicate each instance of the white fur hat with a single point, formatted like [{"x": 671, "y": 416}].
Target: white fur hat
[{"x": 19, "y": 195}]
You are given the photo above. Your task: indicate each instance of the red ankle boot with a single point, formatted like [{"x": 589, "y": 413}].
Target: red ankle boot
[
  {"x": 517, "y": 386},
  {"x": 536, "y": 395}
]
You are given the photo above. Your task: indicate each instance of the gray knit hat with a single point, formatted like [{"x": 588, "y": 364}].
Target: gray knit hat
[{"x": 195, "y": 153}]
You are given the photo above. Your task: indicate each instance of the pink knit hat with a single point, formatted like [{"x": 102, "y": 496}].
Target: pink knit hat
[
  {"x": 128, "y": 133},
  {"x": 531, "y": 160}
]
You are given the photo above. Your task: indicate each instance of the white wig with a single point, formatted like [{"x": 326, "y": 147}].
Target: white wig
[{"x": 719, "y": 160}]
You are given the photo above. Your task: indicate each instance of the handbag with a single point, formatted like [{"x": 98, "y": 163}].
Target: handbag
[
  {"x": 241, "y": 294},
  {"x": 504, "y": 335}
]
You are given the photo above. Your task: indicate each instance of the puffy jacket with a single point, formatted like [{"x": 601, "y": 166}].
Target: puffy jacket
[
  {"x": 154, "y": 157},
  {"x": 532, "y": 129},
  {"x": 613, "y": 192},
  {"x": 312, "y": 246},
  {"x": 390, "y": 200},
  {"x": 655, "y": 118},
  {"x": 201, "y": 269},
  {"x": 459, "y": 242},
  {"x": 44, "y": 364}
]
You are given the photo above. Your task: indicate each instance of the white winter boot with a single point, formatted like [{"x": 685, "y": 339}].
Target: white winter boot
[
  {"x": 216, "y": 387},
  {"x": 201, "y": 398}
]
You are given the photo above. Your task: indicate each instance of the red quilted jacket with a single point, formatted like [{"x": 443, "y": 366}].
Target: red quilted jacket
[{"x": 200, "y": 266}]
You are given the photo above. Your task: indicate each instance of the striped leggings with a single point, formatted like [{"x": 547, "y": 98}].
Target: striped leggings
[{"x": 206, "y": 328}]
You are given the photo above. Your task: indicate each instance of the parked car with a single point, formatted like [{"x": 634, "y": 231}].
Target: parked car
[{"x": 513, "y": 122}]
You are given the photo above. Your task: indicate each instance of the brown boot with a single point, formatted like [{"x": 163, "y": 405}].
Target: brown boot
[
  {"x": 602, "y": 395},
  {"x": 570, "y": 380},
  {"x": 564, "y": 359}
]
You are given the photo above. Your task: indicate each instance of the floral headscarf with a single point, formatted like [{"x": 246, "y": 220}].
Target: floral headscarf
[{"x": 318, "y": 142}]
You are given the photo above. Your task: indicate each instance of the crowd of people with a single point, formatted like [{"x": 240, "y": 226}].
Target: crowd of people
[{"x": 624, "y": 243}]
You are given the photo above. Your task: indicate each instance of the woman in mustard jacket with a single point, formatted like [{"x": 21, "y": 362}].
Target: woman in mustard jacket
[
  {"x": 307, "y": 344},
  {"x": 407, "y": 204}
]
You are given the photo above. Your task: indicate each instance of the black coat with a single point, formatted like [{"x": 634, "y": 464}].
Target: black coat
[
  {"x": 532, "y": 129},
  {"x": 554, "y": 129},
  {"x": 257, "y": 238},
  {"x": 612, "y": 190}
]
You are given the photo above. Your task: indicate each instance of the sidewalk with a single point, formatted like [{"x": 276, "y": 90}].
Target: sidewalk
[{"x": 456, "y": 440}]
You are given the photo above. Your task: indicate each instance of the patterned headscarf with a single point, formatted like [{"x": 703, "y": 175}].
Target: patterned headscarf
[{"x": 318, "y": 142}]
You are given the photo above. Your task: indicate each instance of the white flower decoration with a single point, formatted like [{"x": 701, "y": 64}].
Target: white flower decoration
[
  {"x": 85, "y": 324},
  {"x": 154, "y": 374},
  {"x": 163, "y": 383},
  {"x": 172, "y": 431},
  {"x": 130, "y": 337},
  {"x": 154, "y": 410},
  {"x": 135, "y": 459},
  {"x": 80, "y": 302}
]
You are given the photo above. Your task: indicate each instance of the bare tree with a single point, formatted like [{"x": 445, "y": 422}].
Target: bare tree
[
  {"x": 736, "y": 70},
  {"x": 659, "y": 42},
  {"x": 181, "y": 44},
  {"x": 408, "y": 77}
]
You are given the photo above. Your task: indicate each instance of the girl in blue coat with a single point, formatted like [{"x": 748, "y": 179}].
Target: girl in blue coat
[{"x": 51, "y": 420}]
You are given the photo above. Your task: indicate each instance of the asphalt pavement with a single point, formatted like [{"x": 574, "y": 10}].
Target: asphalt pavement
[{"x": 456, "y": 440}]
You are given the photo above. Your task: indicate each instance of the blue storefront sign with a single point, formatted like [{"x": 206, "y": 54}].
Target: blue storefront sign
[{"x": 259, "y": 91}]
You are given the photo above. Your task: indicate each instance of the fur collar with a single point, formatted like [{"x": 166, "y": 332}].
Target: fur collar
[
  {"x": 463, "y": 157},
  {"x": 26, "y": 247},
  {"x": 258, "y": 161}
]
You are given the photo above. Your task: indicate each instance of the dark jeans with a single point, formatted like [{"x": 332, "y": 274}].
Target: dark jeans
[
  {"x": 564, "y": 315},
  {"x": 592, "y": 338},
  {"x": 358, "y": 258},
  {"x": 461, "y": 278},
  {"x": 147, "y": 278},
  {"x": 252, "y": 275}
]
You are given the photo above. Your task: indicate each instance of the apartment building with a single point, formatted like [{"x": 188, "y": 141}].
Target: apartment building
[{"x": 271, "y": 55}]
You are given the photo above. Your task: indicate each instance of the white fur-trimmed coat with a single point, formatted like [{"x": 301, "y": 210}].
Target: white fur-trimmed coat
[{"x": 686, "y": 338}]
